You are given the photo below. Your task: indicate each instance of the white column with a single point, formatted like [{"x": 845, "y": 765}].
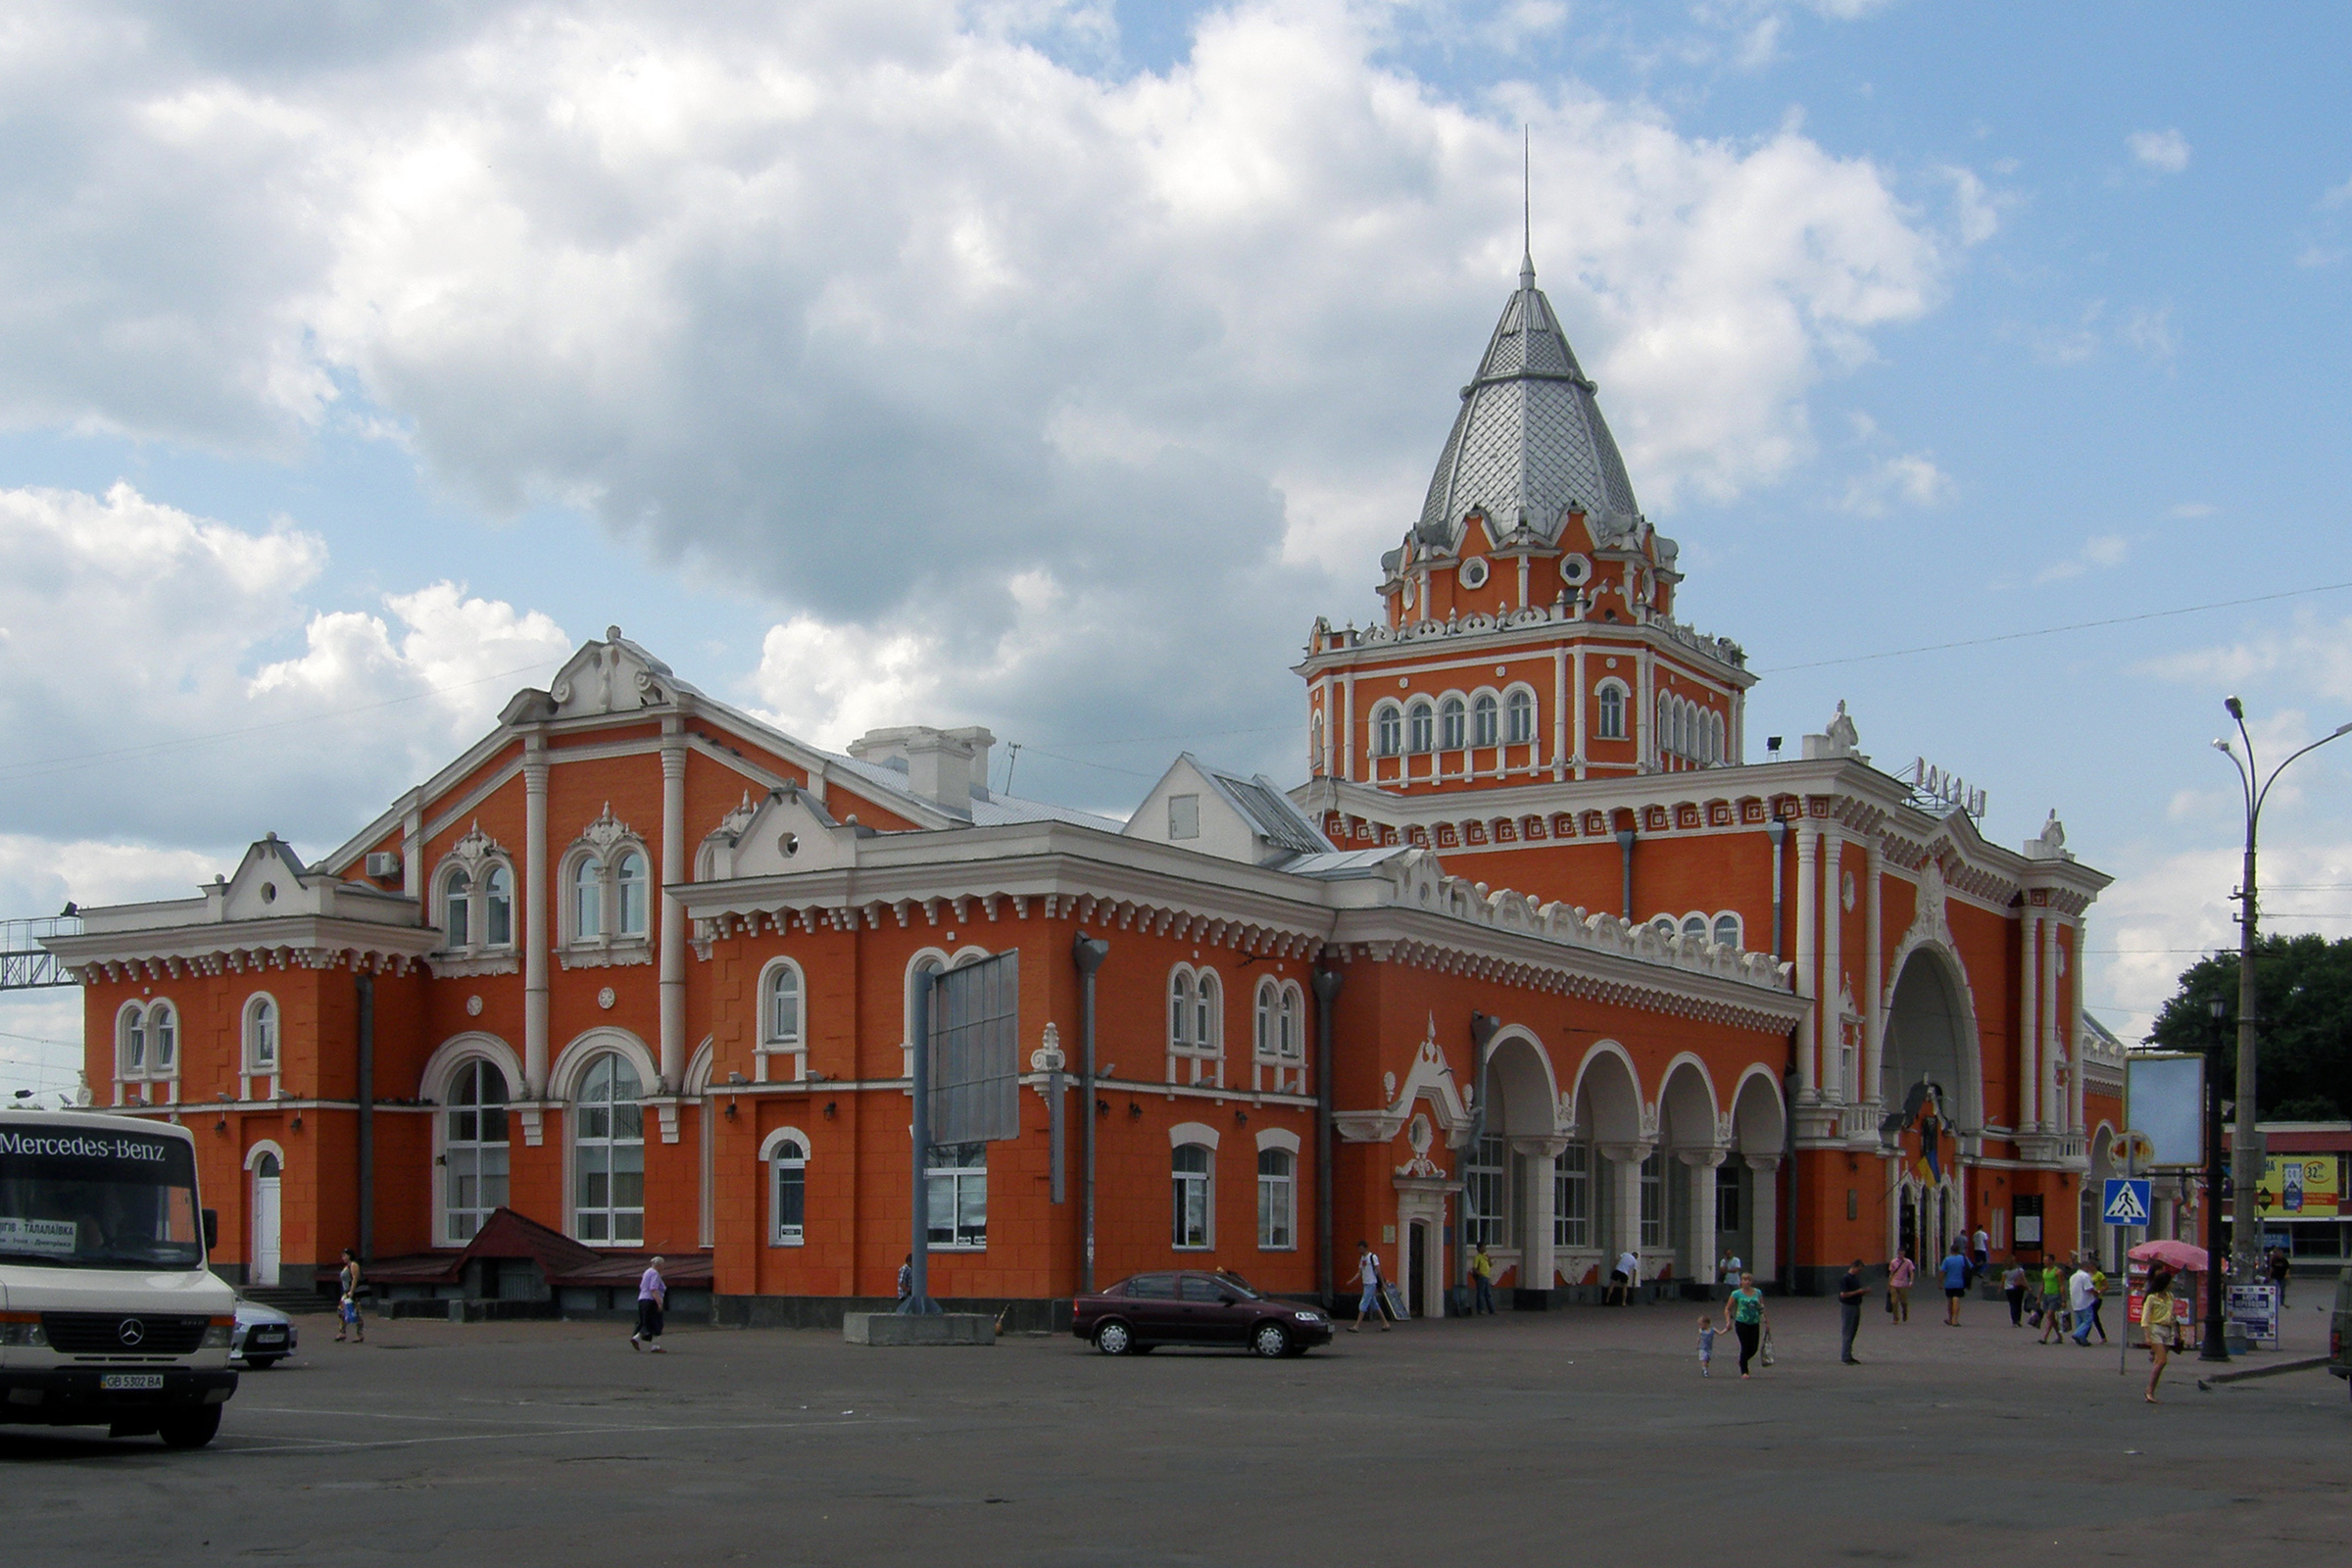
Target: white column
[
  {"x": 1831, "y": 1009},
  {"x": 1538, "y": 1261},
  {"x": 2029, "y": 1010},
  {"x": 535, "y": 937},
  {"x": 1626, "y": 1181},
  {"x": 1764, "y": 1215},
  {"x": 1701, "y": 1164},
  {"x": 411, "y": 856},
  {"x": 1645, "y": 718},
  {"x": 673, "y": 914},
  {"x": 1808, "y": 1033},
  {"x": 2078, "y": 1037},
  {"x": 1874, "y": 1026},
  {"x": 2045, "y": 1035},
  {"x": 1560, "y": 711},
  {"x": 1347, "y": 745}
]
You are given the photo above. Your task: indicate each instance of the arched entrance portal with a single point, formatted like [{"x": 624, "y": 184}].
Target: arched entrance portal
[{"x": 1928, "y": 1081}]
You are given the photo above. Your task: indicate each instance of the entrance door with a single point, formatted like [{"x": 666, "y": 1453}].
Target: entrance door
[
  {"x": 1417, "y": 1264},
  {"x": 264, "y": 1251}
]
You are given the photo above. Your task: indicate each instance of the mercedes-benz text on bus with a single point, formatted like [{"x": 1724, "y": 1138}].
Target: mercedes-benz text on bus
[{"x": 107, "y": 1315}]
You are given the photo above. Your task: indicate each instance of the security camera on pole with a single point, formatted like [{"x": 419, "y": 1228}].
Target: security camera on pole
[{"x": 2245, "y": 1153}]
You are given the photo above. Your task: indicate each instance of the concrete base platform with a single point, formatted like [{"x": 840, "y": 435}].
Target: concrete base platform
[{"x": 934, "y": 1328}]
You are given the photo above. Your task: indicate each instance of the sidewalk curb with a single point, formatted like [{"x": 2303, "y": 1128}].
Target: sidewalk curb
[{"x": 2262, "y": 1371}]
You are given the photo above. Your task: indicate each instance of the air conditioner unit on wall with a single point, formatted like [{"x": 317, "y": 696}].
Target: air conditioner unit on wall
[{"x": 383, "y": 864}]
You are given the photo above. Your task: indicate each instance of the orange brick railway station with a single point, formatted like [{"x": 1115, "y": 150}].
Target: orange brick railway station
[{"x": 1534, "y": 956}]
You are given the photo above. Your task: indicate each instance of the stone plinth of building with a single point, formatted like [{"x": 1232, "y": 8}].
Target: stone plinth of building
[{"x": 930, "y": 1328}]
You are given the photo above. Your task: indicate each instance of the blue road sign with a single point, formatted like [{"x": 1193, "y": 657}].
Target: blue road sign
[{"x": 2127, "y": 1201}]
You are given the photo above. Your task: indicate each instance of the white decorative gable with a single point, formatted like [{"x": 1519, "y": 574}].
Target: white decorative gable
[
  {"x": 783, "y": 831},
  {"x": 613, "y": 676}
]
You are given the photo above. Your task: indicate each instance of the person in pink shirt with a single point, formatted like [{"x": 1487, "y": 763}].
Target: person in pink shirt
[
  {"x": 1900, "y": 1275},
  {"x": 653, "y": 1293}
]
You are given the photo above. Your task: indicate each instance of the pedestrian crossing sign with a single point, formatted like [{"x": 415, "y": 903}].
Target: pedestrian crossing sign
[{"x": 2127, "y": 1201}]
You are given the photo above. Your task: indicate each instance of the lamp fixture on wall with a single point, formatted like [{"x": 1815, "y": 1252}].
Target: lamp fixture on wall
[
  {"x": 1135, "y": 1112},
  {"x": 1241, "y": 1118},
  {"x": 828, "y": 1110}
]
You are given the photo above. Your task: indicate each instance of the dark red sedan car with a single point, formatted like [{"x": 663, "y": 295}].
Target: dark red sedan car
[{"x": 1147, "y": 1310}]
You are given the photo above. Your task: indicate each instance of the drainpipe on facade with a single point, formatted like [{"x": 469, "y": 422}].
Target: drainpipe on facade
[
  {"x": 365, "y": 1094},
  {"x": 1625, "y": 843},
  {"x": 1088, "y": 952},
  {"x": 1327, "y": 991},
  {"x": 1777, "y": 831},
  {"x": 1788, "y": 1269}
]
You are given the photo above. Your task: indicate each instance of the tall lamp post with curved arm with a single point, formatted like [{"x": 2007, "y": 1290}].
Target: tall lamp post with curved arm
[{"x": 2245, "y": 1157}]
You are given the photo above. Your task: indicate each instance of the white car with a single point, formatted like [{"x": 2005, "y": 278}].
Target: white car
[{"x": 263, "y": 1337}]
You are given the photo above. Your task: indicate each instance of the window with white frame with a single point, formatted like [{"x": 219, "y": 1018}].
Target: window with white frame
[
  {"x": 1654, "y": 1200},
  {"x": 629, "y": 894},
  {"x": 1727, "y": 1206},
  {"x": 1694, "y": 927},
  {"x": 260, "y": 1035},
  {"x": 1452, "y": 728},
  {"x": 1572, "y": 1197},
  {"x": 474, "y": 1150},
  {"x": 1519, "y": 717},
  {"x": 609, "y": 1152},
  {"x": 782, "y": 1025},
  {"x": 1726, "y": 929},
  {"x": 587, "y": 899},
  {"x": 788, "y": 1193},
  {"x": 1387, "y": 730},
  {"x": 1195, "y": 1025},
  {"x": 496, "y": 905},
  {"x": 1279, "y": 1035},
  {"x": 1486, "y": 720},
  {"x": 1277, "y": 1201},
  {"x": 147, "y": 1041},
  {"x": 955, "y": 1179},
  {"x": 131, "y": 1042},
  {"x": 1485, "y": 1178},
  {"x": 1421, "y": 726},
  {"x": 456, "y": 908},
  {"x": 1190, "y": 1173},
  {"x": 1609, "y": 716}
]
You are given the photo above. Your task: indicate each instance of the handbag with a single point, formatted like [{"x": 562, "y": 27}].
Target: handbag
[{"x": 1766, "y": 1358}]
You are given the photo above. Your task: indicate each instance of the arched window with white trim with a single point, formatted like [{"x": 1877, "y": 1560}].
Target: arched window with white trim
[
  {"x": 1278, "y": 1035},
  {"x": 456, "y": 908},
  {"x": 1180, "y": 1012},
  {"x": 1695, "y": 928},
  {"x": 1277, "y": 1201},
  {"x": 783, "y": 1021},
  {"x": 260, "y": 1035},
  {"x": 1387, "y": 730},
  {"x": 1486, "y": 720},
  {"x": 786, "y": 1153},
  {"x": 1195, "y": 1025},
  {"x": 629, "y": 880},
  {"x": 497, "y": 906},
  {"x": 1726, "y": 929},
  {"x": 474, "y": 1150},
  {"x": 1453, "y": 727},
  {"x": 1609, "y": 711},
  {"x": 1421, "y": 726},
  {"x": 1519, "y": 717},
  {"x": 1192, "y": 1171},
  {"x": 131, "y": 1042},
  {"x": 587, "y": 899},
  {"x": 609, "y": 1153}
]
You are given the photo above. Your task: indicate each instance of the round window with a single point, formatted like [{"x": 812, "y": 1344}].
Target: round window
[
  {"x": 1575, "y": 569},
  {"x": 1474, "y": 573}
]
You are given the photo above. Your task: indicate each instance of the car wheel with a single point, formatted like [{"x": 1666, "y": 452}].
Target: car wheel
[
  {"x": 192, "y": 1429},
  {"x": 1270, "y": 1341},
  {"x": 1114, "y": 1338}
]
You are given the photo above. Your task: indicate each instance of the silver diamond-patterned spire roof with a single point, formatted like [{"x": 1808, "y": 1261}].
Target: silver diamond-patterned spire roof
[{"x": 1529, "y": 437}]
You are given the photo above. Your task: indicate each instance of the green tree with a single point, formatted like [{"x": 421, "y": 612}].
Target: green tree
[{"x": 2305, "y": 985}]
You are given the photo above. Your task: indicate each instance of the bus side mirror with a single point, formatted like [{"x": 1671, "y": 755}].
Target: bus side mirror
[{"x": 211, "y": 1229}]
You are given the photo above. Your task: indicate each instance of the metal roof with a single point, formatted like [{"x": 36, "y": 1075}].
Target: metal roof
[{"x": 1530, "y": 441}]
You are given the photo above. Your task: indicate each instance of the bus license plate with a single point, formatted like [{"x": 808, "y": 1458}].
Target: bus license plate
[{"x": 128, "y": 1381}]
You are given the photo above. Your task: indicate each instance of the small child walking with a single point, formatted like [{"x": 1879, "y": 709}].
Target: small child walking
[{"x": 1706, "y": 1346}]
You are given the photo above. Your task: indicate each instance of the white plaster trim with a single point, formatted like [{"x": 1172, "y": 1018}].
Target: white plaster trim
[
  {"x": 767, "y": 1145},
  {"x": 564, "y": 1078},
  {"x": 1278, "y": 1138},
  {"x": 458, "y": 1049},
  {"x": 265, "y": 1145},
  {"x": 1192, "y": 1131}
]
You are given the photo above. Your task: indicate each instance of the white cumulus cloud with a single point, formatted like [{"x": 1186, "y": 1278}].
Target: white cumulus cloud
[{"x": 2165, "y": 151}]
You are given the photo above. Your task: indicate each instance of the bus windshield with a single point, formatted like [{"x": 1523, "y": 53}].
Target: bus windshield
[{"x": 82, "y": 1197}]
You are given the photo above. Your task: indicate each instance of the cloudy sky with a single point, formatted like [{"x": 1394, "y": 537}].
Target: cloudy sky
[{"x": 1051, "y": 365}]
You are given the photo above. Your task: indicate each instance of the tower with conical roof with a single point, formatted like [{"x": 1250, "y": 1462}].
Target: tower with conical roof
[{"x": 1526, "y": 635}]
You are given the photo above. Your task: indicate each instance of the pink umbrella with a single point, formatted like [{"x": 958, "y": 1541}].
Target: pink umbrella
[{"x": 2172, "y": 1255}]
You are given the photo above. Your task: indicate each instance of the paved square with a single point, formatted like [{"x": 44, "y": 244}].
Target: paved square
[{"x": 1563, "y": 1435}]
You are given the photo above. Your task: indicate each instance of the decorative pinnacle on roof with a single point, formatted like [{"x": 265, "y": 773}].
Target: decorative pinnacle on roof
[{"x": 1530, "y": 442}]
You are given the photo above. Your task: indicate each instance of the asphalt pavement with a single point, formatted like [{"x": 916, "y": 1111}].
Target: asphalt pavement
[{"x": 1581, "y": 1433}]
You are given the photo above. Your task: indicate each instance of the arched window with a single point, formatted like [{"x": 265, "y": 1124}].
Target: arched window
[
  {"x": 131, "y": 1042},
  {"x": 497, "y": 900},
  {"x": 474, "y": 1150},
  {"x": 1694, "y": 927},
  {"x": 588, "y": 898},
  {"x": 1387, "y": 730},
  {"x": 788, "y": 1189},
  {"x": 630, "y": 880},
  {"x": 163, "y": 1041},
  {"x": 1277, "y": 1199},
  {"x": 1666, "y": 742},
  {"x": 1485, "y": 721},
  {"x": 1207, "y": 1016},
  {"x": 1727, "y": 930},
  {"x": 457, "y": 904},
  {"x": 1190, "y": 1173},
  {"x": 1290, "y": 1039},
  {"x": 1452, "y": 735},
  {"x": 1421, "y": 724},
  {"x": 1180, "y": 1010},
  {"x": 609, "y": 1153},
  {"x": 1610, "y": 722},
  {"x": 260, "y": 1035},
  {"x": 1519, "y": 719},
  {"x": 1572, "y": 1197},
  {"x": 1267, "y": 1014},
  {"x": 780, "y": 1011},
  {"x": 1665, "y": 925}
]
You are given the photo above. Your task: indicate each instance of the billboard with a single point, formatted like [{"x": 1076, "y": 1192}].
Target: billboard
[
  {"x": 2299, "y": 1186},
  {"x": 975, "y": 1068},
  {"x": 2163, "y": 1098}
]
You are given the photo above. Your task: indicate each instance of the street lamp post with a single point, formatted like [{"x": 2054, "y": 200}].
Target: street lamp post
[
  {"x": 2216, "y": 1347},
  {"x": 2245, "y": 1154}
]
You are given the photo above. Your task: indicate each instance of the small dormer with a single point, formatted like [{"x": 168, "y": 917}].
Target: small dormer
[
  {"x": 781, "y": 832},
  {"x": 1194, "y": 807},
  {"x": 949, "y": 768}
]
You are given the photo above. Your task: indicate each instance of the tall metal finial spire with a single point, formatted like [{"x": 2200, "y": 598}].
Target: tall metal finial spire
[{"x": 1527, "y": 207}]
